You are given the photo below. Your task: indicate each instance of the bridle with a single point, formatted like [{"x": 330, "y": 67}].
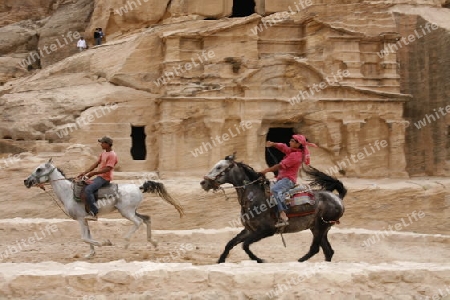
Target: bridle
[
  {"x": 41, "y": 185},
  {"x": 217, "y": 186},
  {"x": 213, "y": 181},
  {"x": 46, "y": 174}
]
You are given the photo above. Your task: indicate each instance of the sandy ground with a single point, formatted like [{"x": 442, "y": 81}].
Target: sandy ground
[{"x": 393, "y": 243}]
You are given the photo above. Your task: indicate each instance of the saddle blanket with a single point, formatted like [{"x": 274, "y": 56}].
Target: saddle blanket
[
  {"x": 297, "y": 200},
  {"x": 300, "y": 199}
]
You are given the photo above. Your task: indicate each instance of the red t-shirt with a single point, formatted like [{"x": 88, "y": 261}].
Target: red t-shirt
[{"x": 107, "y": 159}]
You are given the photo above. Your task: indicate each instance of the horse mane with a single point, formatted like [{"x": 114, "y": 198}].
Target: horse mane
[
  {"x": 249, "y": 171},
  {"x": 61, "y": 171}
]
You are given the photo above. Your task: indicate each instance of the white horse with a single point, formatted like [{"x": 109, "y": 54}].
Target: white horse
[{"x": 130, "y": 196}]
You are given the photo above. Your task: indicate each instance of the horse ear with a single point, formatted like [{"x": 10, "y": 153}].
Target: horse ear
[
  {"x": 50, "y": 160},
  {"x": 231, "y": 157}
]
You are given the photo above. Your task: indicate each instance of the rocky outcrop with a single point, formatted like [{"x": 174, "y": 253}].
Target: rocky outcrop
[
  {"x": 329, "y": 74},
  {"x": 18, "y": 41},
  {"x": 41, "y": 41},
  {"x": 59, "y": 35},
  {"x": 425, "y": 69},
  {"x": 13, "y": 11}
]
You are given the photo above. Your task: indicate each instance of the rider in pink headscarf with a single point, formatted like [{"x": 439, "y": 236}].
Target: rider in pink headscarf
[
  {"x": 296, "y": 154},
  {"x": 302, "y": 140}
]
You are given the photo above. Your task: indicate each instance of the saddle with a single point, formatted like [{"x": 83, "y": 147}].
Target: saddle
[
  {"x": 106, "y": 193},
  {"x": 300, "y": 201}
]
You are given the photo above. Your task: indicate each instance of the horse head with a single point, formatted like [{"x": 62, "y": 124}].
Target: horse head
[
  {"x": 219, "y": 174},
  {"x": 40, "y": 175},
  {"x": 230, "y": 171}
]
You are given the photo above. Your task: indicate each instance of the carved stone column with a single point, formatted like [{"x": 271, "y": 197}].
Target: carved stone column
[
  {"x": 214, "y": 141},
  {"x": 397, "y": 160},
  {"x": 168, "y": 145},
  {"x": 261, "y": 152},
  {"x": 335, "y": 136},
  {"x": 388, "y": 57},
  {"x": 254, "y": 143},
  {"x": 353, "y": 127},
  {"x": 251, "y": 120}
]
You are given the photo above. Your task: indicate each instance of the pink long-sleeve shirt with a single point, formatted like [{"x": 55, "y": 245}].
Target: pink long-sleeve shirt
[{"x": 291, "y": 162}]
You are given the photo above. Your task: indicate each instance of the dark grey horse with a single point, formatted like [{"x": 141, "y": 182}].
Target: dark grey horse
[{"x": 258, "y": 215}]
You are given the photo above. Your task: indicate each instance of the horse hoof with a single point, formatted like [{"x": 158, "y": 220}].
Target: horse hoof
[
  {"x": 260, "y": 261},
  {"x": 127, "y": 245},
  {"x": 107, "y": 243},
  {"x": 154, "y": 243}
]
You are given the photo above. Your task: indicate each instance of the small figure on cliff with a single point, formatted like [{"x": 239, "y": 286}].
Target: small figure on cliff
[
  {"x": 296, "y": 154},
  {"x": 81, "y": 44},
  {"x": 98, "y": 36},
  {"x": 102, "y": 35}
]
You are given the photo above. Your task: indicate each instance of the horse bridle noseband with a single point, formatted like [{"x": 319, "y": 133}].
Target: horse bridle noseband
[
  {"x": 47, "y": 174},
  {"x": 213, "y": 181}
]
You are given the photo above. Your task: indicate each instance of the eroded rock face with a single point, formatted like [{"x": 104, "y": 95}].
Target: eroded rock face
[
  {"x": 425, "y": 72},
  {"x": 13, "y": 11},
  {"x": 18, "y": 41},
  {"x": 59, "y": 36},
  {"x": 41, "y": 41}
]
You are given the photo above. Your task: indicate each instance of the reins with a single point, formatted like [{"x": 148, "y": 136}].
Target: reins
[
  {"x": 42, "y": 187},
  {"x": 57, "y": 203},
  {"x": 235, "y": 187},
  {"x": 240, "y": 186}
]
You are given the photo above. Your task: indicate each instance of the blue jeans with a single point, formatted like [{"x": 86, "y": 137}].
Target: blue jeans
[
  {"x": 97, "y": 183},
  {"x": 278, "y": 189}
]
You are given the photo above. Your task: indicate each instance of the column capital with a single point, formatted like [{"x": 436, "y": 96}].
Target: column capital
[
  {"x": 353, "y": 121},
  {"x": 397, "y": 121},
  {"x": 353, "y": 125}
]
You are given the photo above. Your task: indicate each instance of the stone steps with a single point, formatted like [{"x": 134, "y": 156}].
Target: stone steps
[{"x": 122, "y": 280}]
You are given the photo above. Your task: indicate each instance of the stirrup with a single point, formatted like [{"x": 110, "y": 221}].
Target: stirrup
[
  {"x": 91, "y": 217},
  {"x": 282, "y": 223}
]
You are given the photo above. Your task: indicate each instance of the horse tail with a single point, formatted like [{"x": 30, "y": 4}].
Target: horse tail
[
  {"x": 159, "y": 189},
  {"x": 326, "y": 182}
]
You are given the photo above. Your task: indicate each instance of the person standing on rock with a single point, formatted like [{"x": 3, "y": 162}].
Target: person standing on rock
[
  {"x": 101, "y": 35},
  {"x": 97, "y": 37},
  {"x": 296, "y": 154},
  {"x": 81, "y": 44},
  {"x": 105, "y": 163}
]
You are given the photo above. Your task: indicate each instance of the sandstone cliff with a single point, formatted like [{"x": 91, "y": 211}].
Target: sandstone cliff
[{"x": 179, "y": 74}]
